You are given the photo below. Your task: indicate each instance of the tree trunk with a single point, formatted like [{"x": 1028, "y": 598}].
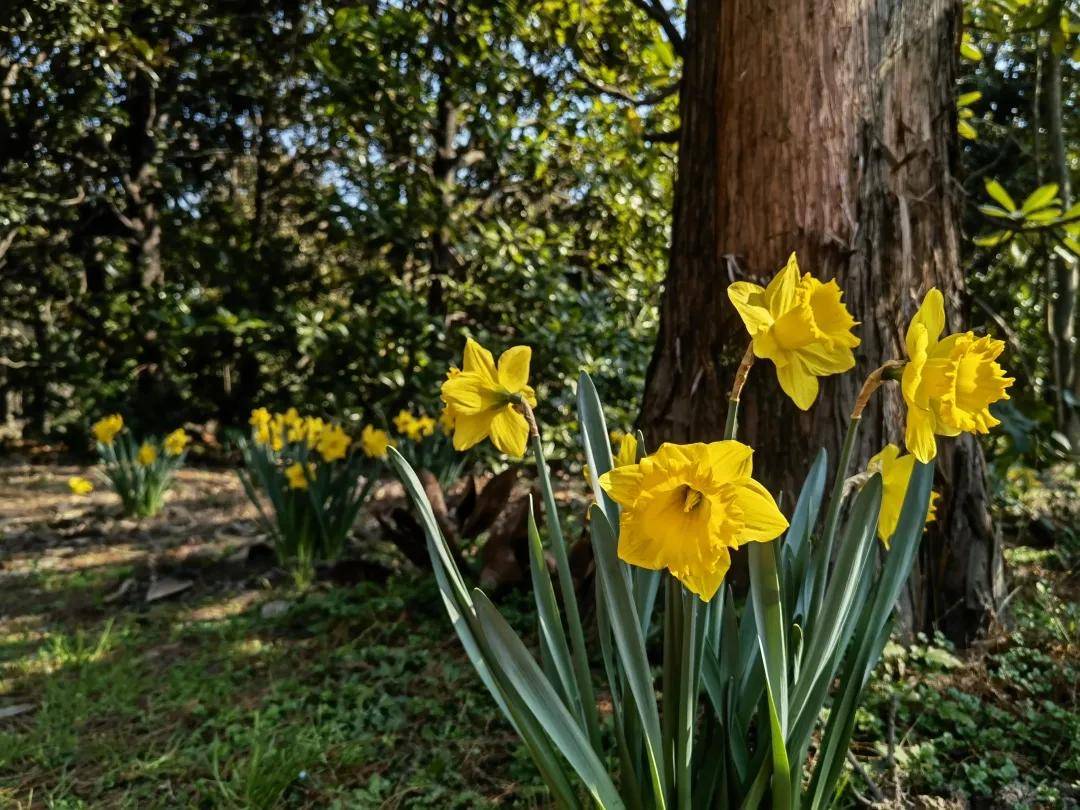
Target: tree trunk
[
  {"x": 1066, "y": 273},
  {"x": 444, "y": 164},
  {"x": 827, "y": 128}
]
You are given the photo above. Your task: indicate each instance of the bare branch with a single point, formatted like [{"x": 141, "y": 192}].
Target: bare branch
[
  {"x": 656, "y": 10},
  {"x": 616, "y": 92}
]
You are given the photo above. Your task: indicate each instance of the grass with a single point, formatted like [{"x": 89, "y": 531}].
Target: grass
[
  {"x": 355, "y": 697},
  {"x": 360, "y": 697}
]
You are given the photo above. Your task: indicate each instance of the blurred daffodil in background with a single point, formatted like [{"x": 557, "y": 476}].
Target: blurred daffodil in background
[
  {"x": 895, "y": 470},
  {"x": 147, "y": 454},
  {"x": 105, "y": 429},
  {"x": 176, "y": 442},
  {"x": 374, "y": 442},
  {"x": 297, "y": 475},
  {"x": 79, "y": 485}
]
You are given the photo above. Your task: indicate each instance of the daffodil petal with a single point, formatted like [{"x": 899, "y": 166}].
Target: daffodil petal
[
  {"x": 795, "y": 328},
  {"x": 780, "y": 294},
  {"x": 471, "y": 429},
  {"x": 514, "y": 368},
  {"x": 798, "y": 383},
  {"x": 464, "y": 392},
  {"x": 749, "y": 302},
  {"x": 622, "y": 484},
  {"x": 509, "y": 431},
  {"x": 820, "y": 360},
  {"x": 730, "y": 460},
  {"x": 762, "y": 519},
  {"x": 919, "y": 434},
  {"x": 478, "y": 360},
  {"x": 931, "y": 316}
]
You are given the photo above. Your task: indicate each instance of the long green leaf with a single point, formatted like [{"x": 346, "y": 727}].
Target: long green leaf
[
  {"x": 462, "y": 615},
  {"x": 797, "y": 548},
  {"x": 769, "y": 615},
  {"x": 551, "y": 628},
  {"x": 630, "y": 644},
  {"x": 597, "y": 444},
  {"x": 541, "y": 699},
  {"x": 857, "y": 541},
  {"x": 579, "y": 653},
  {"x": 871, "y": 634}
]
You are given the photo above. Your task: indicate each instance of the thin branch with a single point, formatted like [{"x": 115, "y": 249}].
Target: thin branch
[
  {"x": 616, "y": 92},
  {"x": 875, "y": 791},
  {"x": 668, "y": 136},
  {"x": 657, "y": 12}
]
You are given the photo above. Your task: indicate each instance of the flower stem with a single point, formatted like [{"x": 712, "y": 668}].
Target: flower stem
[
  {"x": 566, "y": 582},
  {"x": 877, "y": 378},
  {"x": 832, "y": 517},
  {"x": 731, "y": 422},
  {"x": 687, "y": 699}
]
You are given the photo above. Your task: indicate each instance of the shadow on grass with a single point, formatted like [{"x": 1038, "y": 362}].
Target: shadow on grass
[{"x": 358, "y": 695}]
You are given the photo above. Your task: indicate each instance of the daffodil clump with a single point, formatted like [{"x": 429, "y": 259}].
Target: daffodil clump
[
  {"x": 741, "y": 693},
  {"x": 309, "y": 479},
  {"x": 141, "y": 471}
]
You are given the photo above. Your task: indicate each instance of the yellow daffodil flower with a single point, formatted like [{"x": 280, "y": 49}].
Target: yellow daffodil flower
[
  {"x": 332, "y": 443},
  {"x": 895, "y": 471},
  {"x": 307, "y": 430},
  {"x": 627, "y": 453},
  {"x": 296, "y": 475},
  {"x": 801, "y": 325},
  {"x": 948, "y": 385},
  {"x": 446, "y": 421},
  {"x": 79, "y": 485},
  {"x": 627, "y": 450},
  {"x": 147, "y": 454},
  {"x": 260, "y": 425},
  {"x": 424, "y": 426},
  {"x": 374, "y": 442},
  {"x": 482, "y": 397},
  {"x": 260, "y": 418},
  {"x": 105, "y": 430},
  {"x": 175, "y": 442},
  {"x": 403, "y": 422},
  {"x": 687, "y": 506}
]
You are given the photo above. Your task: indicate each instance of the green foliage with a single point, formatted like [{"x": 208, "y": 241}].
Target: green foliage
[
  {"x": 772, "y": 669},
  {"x": 1018, "y": 102},
  {"x": 312, "y": 202}
]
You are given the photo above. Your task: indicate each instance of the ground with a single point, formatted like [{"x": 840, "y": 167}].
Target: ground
[{"x": 236, "y": 690}]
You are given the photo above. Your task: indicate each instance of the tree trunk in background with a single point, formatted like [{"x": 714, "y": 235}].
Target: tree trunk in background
[
  {"x": 1066, "y": 274},
  {"x": 827, "y": 128}
]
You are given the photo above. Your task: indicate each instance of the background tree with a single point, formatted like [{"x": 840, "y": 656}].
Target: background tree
[
  {"x": 830, "y": 131},
  {"x": 209, "y": 208}
]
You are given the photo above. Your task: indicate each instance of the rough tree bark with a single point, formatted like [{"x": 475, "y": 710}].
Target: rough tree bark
[
  {"x": 1066, "y": 274},
  {"x": 827, "y": 128}
]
